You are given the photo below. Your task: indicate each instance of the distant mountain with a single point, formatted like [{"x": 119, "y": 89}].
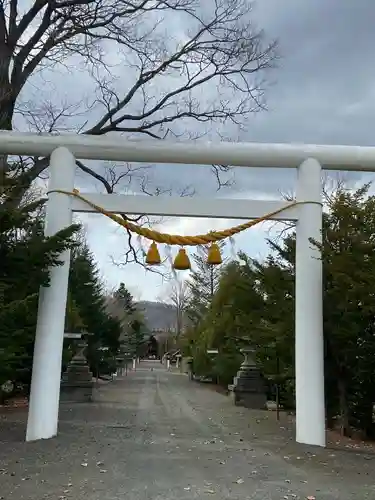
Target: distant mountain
[{"x": 158, "y": 316}]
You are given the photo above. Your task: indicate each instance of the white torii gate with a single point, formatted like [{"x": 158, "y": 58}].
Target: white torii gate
[{"x": 308, "y": 159}]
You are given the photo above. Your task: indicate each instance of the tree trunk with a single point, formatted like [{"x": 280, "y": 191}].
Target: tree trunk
[
  {"x": 365, "y": 415},
  {"x": 212, "y": 287},
  {"x": 344, "y": 407},
  {"x": 6, "y": 115},
  {"x": 7, "y": 92},
  {"x": 7, "y": 103}
]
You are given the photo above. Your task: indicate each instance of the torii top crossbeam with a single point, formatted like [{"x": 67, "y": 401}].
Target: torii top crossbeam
[{"x": 198, "y": 152}]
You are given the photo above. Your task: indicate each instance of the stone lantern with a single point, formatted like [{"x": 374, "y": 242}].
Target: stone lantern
[
  {"x": 249, "y": 388},
  {"x": 77, "y": 382}
]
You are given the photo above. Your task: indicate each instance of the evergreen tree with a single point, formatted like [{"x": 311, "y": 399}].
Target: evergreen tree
[
  {"x": 126, "y": 298},
  {"x": 349, "y": 308},
  {"x": 88, "y": 294},
  {"x": 133, "y": 329},
  {"x": 348, "y": 253},
  {"x": 25, "y": 256},
  {"x": 202, "y": 284},
  {"x": 254, "y": 303}
]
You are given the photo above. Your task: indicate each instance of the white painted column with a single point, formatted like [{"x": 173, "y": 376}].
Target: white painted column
[
  {"x": 134, "y": 363},
  {"x": 309, "y": 351},
  {"x": 45, "y": 383}
]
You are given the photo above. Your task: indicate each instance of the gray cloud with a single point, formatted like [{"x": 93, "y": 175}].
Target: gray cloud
[
  {"x": 325, "y": 84},
  {"x": 323, "y": 90}
]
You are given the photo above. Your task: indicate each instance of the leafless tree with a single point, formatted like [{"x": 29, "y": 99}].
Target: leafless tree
[
  {"x": 116, "y": 309},
  {"x": 160, "y": 68},
  {"x": 177, "y": 295},
  {"x": 331, "y": 185}
]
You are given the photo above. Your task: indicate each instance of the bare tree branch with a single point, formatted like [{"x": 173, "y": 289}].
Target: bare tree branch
[
  {"x": 177, "y": 295},
  {"x": 160, "y": 68},
  {"x": 219, "y": 47},
  {"x": 133, "y": 253},
  {"x": 330, "y": 187}
]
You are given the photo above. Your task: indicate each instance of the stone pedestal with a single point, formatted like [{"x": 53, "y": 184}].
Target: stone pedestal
[
  {"x": 77, "y": 383},
  {"x": 187, "y": 366},
  {"x": 248, "y": 386}
]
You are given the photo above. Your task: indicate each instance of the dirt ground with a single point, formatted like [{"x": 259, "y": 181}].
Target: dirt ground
[{"x": 156, "y": 435}]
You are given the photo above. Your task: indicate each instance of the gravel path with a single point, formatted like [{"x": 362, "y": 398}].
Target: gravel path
[{"x": 154, "y": 435}]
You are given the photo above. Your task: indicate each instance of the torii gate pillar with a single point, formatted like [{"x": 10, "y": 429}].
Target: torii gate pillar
[
  {"x": 49, "y": 337},
  {"x": 309, "y": 351}
]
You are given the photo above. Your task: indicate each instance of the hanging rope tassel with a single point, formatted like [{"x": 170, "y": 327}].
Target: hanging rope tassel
[
  {"x": 153, "y": 255},
  {"x": 214, "y": 255},
  {"x": 182, "y": 261}
]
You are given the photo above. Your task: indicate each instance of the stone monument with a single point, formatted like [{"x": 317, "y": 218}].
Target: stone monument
[
  {"x": 248, "y": 386},
  {"x": 77, "y": 383}
]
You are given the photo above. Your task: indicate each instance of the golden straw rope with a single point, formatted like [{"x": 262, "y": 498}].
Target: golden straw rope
[{"x": 175, "y": 239}]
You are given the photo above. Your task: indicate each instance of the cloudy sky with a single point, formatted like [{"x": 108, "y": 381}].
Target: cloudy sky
[{"x": 323, "y": 91}]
